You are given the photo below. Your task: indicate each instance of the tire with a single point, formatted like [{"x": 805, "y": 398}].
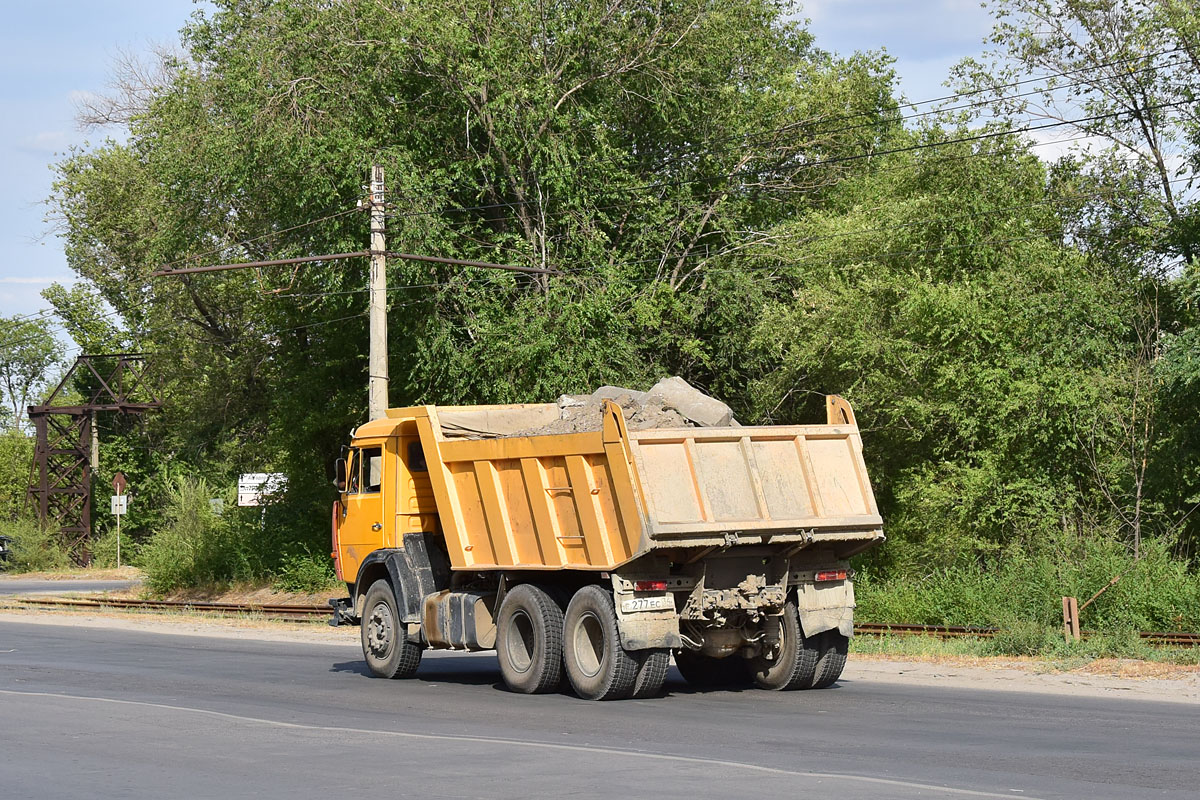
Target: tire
[
  {"x": 705, "y": 672},
  {"x": 795, "y": 665},
  {"x": 385, "y": 644},
  {"x": 651, "y": 672},
  {"x": 597, "y": 666},
  {"x": 529, "y": 632},
  {"x": 834, "y": 647}
]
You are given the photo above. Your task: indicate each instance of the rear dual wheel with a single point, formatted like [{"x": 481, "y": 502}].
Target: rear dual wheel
[
  {"x": 529, "y": 643},
  {"x": 596, "y": 664},
  {"x": 535, "y": 642},
  {"x": 834, "y": 647},
  {"x": 801, "y": 662}
]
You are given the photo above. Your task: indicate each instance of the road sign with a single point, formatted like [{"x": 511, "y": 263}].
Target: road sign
[
  {"x": 119, "y": 483},
  {"x": 254, "y": 487},
  {"x": 120, "y": 504}
]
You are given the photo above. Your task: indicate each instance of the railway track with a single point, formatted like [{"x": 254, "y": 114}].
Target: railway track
[
  {"x": 1161, "y": 638},
  {"x": 282, "y": 612},
  {"x": 320, "y": 613}
]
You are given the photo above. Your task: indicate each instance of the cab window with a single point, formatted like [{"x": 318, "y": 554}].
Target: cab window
[
  {"x": 366, "y": 471},
  {"x": 372, "y": 469},
  {"x": 352, "y": 470}
]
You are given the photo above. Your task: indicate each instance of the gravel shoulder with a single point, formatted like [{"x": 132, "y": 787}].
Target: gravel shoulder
[{"x": 1107, "y": 678}]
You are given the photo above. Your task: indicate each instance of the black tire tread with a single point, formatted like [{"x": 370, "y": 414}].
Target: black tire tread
[
  {"x": 406, "y": 657},
  {"x": 834, "y": 647},
  {"x": 538, "y": 603},
  {"x": 651, "y": 672},
  {"x": 797, "y": 664},
  {"x": 618, "y": 682}
]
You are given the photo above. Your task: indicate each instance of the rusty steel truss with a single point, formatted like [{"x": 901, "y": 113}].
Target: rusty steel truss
[{"x": 62, "y": 486}]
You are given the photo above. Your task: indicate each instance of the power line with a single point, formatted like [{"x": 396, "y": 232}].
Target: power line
[
  {"x": 267, "y": 235},
  {"x": 1029, "y": 128}
]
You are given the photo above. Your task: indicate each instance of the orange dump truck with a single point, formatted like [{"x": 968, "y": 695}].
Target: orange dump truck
[{"x": 602, "y": 554}]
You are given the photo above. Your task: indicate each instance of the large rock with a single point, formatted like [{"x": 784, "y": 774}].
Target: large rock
[{"x": 692, "y": 403}]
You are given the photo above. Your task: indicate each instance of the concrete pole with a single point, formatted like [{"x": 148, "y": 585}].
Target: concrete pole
[
  {"x": 377, "y": 363},
  {"x": 95, "y": 445}
]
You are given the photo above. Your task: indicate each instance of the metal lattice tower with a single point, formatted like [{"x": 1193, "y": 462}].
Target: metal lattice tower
[{"x": 61, "y": 491}]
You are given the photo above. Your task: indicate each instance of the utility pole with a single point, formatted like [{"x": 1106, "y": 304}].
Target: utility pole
[{"x": 377, "y": 360}]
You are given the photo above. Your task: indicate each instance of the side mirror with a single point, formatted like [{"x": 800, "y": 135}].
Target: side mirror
[{"x": 339, "y": 474}]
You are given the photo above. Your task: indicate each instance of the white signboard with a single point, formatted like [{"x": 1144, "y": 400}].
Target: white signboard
[
  {"x": 253, "y": 487},
  {"x": 120, "y": 504}
]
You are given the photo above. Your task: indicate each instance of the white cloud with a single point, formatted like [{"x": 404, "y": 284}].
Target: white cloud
[{"x": 46, "y": 142}]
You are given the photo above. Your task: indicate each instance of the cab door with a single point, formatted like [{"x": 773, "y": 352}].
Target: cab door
[{"x": 362, "y": 529}]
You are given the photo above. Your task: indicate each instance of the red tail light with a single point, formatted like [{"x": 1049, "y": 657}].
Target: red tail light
[
  {"x": 831, "y": 575},
  {"x": 337, "y": 561},
  {"x": 649, "y": 586}
]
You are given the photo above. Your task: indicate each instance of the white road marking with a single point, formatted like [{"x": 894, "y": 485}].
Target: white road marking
[{"x": 526, "y": 744}]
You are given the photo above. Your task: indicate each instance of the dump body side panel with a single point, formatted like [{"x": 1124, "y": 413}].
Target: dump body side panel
[{"x": 533, "y": 502}]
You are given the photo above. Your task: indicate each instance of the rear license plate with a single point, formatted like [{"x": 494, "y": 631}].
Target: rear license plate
[{"x": 647, "y": 604}]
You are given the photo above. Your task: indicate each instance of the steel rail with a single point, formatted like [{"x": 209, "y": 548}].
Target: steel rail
[
  {"x": 1164, "y": 638},
  {"x": 271, "y": 610}
]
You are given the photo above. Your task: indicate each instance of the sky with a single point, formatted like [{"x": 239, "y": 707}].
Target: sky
[{"x": 55, "y": 51}]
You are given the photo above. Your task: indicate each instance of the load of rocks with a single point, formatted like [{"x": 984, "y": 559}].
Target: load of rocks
[{"x": 670, "y": 403}]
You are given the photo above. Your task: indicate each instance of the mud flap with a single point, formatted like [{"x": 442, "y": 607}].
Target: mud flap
[
  {"x": 645, "y": 619},
  {"x": 826, "y": 606}
]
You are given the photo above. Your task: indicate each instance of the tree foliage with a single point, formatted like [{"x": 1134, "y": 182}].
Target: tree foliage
[{"x": 722, "y": 200}]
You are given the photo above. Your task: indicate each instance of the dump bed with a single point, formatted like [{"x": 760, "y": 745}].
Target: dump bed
[{"x": 601, "y": 499}]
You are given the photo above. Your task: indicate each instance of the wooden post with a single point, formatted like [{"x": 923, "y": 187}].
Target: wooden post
[
  {"x": 377, "y": 360},
  {"x": 1070, "y": 619}
]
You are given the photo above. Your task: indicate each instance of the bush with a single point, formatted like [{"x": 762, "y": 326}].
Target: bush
[
  {"x": 1023, "y": 637},
  {"x": 104, "y": 549},
  {"x": 1014, "y": 588},
  {"x": 304, "y": 572},
  {"x": 195, "y": 547},
  {"x": 35, "y": 548}
]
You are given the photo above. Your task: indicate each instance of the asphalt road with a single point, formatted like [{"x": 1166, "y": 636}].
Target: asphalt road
[
  {"x": 26, "y": 586},
  {"x": 103, "y": 713}
]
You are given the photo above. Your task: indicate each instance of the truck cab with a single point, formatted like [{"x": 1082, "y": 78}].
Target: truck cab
[{"x": 385, "y": 493}]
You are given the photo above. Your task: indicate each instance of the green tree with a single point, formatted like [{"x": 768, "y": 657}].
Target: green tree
[
  {"x": 638, "y": 148},
  {"x": 28, "y": 352},
  {"x": 1122, "y": 73}
]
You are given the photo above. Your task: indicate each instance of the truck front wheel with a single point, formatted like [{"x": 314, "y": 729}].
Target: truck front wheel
[
  {"x": 386, "y": 648},
  {"x": 597, "y": 666},
  {"x": 795, "y": 663},
  {"x": 529, "y": 631}
]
